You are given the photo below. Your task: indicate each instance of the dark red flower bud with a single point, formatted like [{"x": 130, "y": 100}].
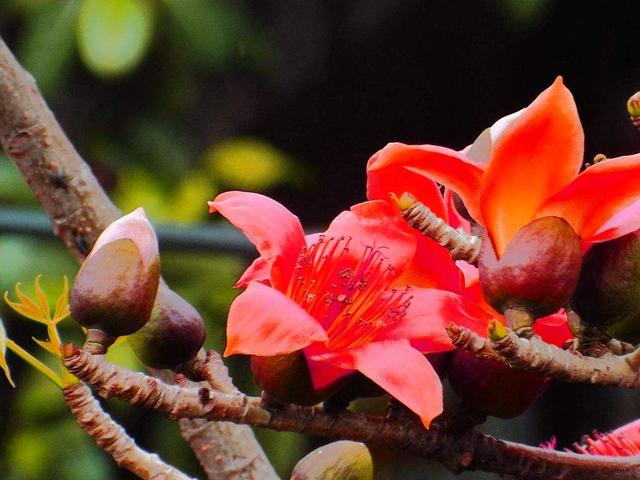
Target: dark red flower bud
[
  {"x": 286, "y": 378},
  {"x": 608, "y": 291},
  {"x": 116, "y": 285},
  {"x": 494, "y": 387},
  {"x": 174, "y": 333},
  {"x": 537, "y": 272},
  {"x": 440, "y": 363}
]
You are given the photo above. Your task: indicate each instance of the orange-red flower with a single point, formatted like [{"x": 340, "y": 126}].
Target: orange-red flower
[
  {"x": 621, "y": 442},
  {"x": 526, "y": 167},
  {"x": 343, "y": 298}
]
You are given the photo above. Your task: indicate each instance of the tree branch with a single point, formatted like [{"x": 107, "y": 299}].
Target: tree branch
[
  {"x": 470, "y": 450},
  {"x": 461, "y": 245},
  {"x": 79, "y": 210},
  {"x": 535, "y": 354},
  {"x": 113, "y": 439}
]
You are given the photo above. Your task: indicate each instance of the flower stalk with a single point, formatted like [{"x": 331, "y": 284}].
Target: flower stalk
[
  {"x": 461, "y": 245},
  {"x": 537, "y": 355}
]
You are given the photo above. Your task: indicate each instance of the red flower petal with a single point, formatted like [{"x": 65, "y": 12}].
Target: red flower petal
[
  {"x": 258, "y": 271},
  {"x": 453, "y": 217},
  {"x": 401, "y": 370},
  {"x": 625, "y": 221},
  {"x": 274, "y": 230},
  {"x": 536, "y": 155},
  {"x": 375, "y": 224},
  {"x": 323, "y": 373},
  {"x": 590, "y": 203},
  {"x": 431, "y": 267},
  {"x": 264, "y": 322},
  {"x": 430, "y": 312},
  {"x": 553, "y": 329},
  {"x": 400, "y": 168}
]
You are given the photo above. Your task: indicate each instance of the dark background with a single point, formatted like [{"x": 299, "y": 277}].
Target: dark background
[{"x": 304, "y": 92}]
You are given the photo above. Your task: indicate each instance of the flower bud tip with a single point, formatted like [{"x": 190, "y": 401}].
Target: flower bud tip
[
  {"x": 497, "y": 331},
  {"x": 633, "y": 105},
  {"x": 405, "y": 201},
  {"x": 69, "y": 350}
]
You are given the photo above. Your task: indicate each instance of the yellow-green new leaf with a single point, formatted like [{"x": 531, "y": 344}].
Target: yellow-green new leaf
[
  {"x": 48, "y": 346},
  {"x": 3, "y": 354}
]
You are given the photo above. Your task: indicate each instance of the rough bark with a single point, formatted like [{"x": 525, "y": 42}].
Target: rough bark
[{"x": 113, "y": 439}]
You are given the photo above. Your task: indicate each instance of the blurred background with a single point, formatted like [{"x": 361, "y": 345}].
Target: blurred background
[{"x": 174, "y": 101}]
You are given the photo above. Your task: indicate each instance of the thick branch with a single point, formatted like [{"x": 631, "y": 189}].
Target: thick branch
[
  {"x": 470, "y": 450},
  {"x": 79, "y": 210},
  {"x": 535, "y": 354},
  {"x": 461, "y": 245},
  {"x": 242, "y": 461},
  {"x": 113, "y": 439}
]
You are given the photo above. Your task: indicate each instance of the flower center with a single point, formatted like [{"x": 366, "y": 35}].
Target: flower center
[{"x": 348, "y": 290}]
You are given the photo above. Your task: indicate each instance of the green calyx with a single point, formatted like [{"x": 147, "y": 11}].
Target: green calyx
[
  {"x": 174, "y": 333},
  {"x": 608, "y": 292}
]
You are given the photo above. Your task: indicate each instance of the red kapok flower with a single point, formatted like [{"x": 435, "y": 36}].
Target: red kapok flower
[
  {"x": 532, "y": 172},
  {"x": 340, "y": 297},
  {"x": 621, "y": 442}
]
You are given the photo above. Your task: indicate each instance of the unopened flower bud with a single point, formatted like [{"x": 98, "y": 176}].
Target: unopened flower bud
[
  {"x": 493, "y": 387},
  {"x": 633, "y": 107},
  {"x": 344, "y": 460},
  {"x": 608, "y": 291},
  {"x": 174, "y": 333},
  {"x": 536, "y": 274},
  {"x": 116, "y": 285}
]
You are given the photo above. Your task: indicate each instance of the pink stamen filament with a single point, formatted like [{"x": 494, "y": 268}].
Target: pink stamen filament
[{"x": 351, "y": 298}]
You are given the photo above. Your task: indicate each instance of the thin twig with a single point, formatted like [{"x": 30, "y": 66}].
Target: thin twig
[
  {"x": 113, "y": 439},
  {"x": 535, "y": 354},
  {"x": 470, "y": 450},
  {"x": 461, "y": 245},
  {"x": 79, "y": 210}
]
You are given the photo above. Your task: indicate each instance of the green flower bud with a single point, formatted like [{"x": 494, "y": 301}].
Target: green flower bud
[
  {"x": 174, "y": 333},
  {"x": 608, "y": 291},
  {"x": 343, "y": 460},
  {"x": 537, "y": 272},
  {"x": 116, "y": 285}
]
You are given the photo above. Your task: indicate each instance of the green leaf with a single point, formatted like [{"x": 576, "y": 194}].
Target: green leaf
[
  {"x": 46, "y": 47},
  {"x": 3, "y": 354},
  {"x": 113, "y": 35}
]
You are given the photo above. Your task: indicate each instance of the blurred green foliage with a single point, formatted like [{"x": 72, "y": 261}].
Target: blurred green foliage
[{"x": 113, "y": 35}]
